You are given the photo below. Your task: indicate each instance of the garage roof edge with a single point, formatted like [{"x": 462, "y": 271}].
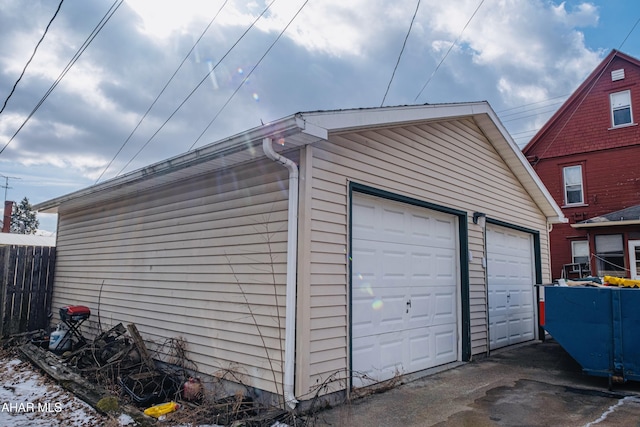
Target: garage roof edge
[{"x": 307, "y": 127}]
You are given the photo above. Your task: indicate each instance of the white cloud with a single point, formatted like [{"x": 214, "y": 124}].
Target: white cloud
[
  {"x": 584, "y": 14},
  {"x": 88, "y": 166},
  {"x": 162, "y": 18},
  {"x": 333, "y": 27},
  {"x": 532, "y": 47},
  {"x": 336, "y": 54}
]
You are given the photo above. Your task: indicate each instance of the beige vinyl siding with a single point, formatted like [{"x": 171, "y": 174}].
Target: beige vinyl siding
[
  {"x": 204, "y": 260},
  {"x": 447, "y": 163}
]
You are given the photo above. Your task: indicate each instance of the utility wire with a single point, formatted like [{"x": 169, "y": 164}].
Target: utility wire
[
  {"x": 533, "y": 103},
  {"x": 629, "y": 33},
  {"x": 31, "y": 58},
  {"x": 162, "y": 91},
  {"x": 64, "y": 72},
  {"x": 447, "y": 54},
  {"x": 248, "y": 75},
  {"x": 551, "y": 110},
  {"x": 401, "y": 51},
  {"x": 195, "y": 88}
]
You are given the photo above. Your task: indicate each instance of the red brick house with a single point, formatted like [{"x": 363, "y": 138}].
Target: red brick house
[{"x": 588, "y": 156}]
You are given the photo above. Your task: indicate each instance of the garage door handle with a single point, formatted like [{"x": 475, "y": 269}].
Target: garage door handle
[{"x": 408, "y": 305}]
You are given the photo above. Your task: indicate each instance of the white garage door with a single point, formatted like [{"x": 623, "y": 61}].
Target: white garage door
[
  {"x": 404, "y": 289},
  {"x": 511, "y": 279}
]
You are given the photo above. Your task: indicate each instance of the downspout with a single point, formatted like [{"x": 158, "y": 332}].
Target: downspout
[{"x": 292, "y": 262}]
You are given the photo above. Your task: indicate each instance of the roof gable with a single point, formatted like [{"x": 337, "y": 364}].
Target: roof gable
[{"x": 582, "y": 122}]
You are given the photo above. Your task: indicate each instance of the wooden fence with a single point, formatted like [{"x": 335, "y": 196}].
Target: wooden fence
[{"x": 25, "y": 291}]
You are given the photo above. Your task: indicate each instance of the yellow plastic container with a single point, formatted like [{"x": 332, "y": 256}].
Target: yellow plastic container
[
  {"x": 157, "y": 411},
  {"x": 618, "y": 281}
]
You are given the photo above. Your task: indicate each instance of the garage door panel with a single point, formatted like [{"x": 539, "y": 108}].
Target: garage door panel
[
  {"x": 444, "y": 263},
  {"x": 444, "y": 337},
  {"x": 443, "y": 232},
  {"x": 510, "y": 272},
  {"x": 420, "y": 311},
  {"x": 421, "y": 265},
  {"x": 366, "y": 261},
  {"x": 389, "y": 347},
  {"x": 390, "y": 315},
  {"x": 521, "y": 300},
  {"x": 420, "y": 350},
  {"x": 374, "y": 316},
  {"x": 405, "y": 283}
]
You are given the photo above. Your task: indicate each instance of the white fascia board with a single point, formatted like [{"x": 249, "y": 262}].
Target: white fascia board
[{"x": 345, "y": 120}]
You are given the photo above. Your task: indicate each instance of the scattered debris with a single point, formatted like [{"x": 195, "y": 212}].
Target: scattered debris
[{"x": 118, "y": 375}]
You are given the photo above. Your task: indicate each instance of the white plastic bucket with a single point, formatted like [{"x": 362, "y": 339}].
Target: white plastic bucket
[{"x": 56, "y": 340}]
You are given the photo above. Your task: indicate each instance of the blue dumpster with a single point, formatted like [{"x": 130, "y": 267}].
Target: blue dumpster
[{"x": 598, "y": 327}]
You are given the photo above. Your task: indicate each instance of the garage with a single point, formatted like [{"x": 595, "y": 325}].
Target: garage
[
  {"x": 511, "y": 279},
  {"x": 404, "y": 288}
]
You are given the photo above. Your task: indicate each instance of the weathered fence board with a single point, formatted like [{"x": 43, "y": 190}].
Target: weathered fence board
[{"x": 26, "y": 288}]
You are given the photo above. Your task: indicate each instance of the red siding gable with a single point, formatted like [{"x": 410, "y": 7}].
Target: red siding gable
[
  {"x": 583, "y": 123},
  {"x": 581, "y": 133}
]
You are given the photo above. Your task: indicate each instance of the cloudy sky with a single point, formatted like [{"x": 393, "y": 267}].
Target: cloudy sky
[{"x": 523, "y": 56}]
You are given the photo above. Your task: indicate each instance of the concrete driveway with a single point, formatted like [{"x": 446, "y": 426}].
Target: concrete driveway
[{"x": 536, "y": 384}]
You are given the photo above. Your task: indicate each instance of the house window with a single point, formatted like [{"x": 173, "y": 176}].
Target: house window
[
  {"x": 573, "y": 192},
  {"x": 580, "y": 251},
  {"x": 580, "y": 255},
  {"x": 621, "y": 108},
  {"x": 610, "y": 255}
]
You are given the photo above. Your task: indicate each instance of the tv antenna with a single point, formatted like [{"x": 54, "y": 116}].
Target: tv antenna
[{"x": 6, "y": 184}]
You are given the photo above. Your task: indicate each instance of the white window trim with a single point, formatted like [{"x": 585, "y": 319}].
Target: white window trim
[
  {"x": 631, "y": 123},
  {"x": 623, "y": 126},
  {"x": 564, "y": 187}
]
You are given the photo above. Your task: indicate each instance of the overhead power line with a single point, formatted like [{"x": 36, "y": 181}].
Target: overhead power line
[
  {"x": 13, "y": 89},
  {"x": 448, "y": 51},
  {"x": 533, "y": 103},
  {"x": 144, "y": 116},
  {"x": 529, "y": 113},
  {"x": 400, "y": 55},
  {"x": 64, "y": 72},
  {"x": 184, "y": 101},
  {"x": 248, "y": 75}
]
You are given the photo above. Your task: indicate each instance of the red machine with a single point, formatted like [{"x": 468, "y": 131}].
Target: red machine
[
  {"x": 74, "y": 313},
  {"x": 73, "y": 316}
]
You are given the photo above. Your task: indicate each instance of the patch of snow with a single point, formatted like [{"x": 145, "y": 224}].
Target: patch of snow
[
  {"x": 126, "y": 420},
  {"x": 30, "y": 399}
]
